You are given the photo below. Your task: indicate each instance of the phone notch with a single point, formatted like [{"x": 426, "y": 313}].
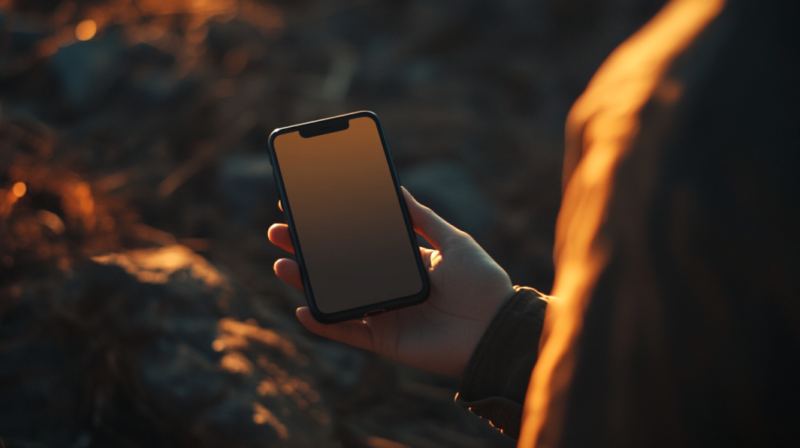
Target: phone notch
[{"x": 324, "y": 127}]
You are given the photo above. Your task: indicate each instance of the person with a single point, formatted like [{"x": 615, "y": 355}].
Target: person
[{"x": 675, "y": 315}]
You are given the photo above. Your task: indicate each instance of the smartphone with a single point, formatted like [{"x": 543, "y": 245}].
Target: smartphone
[{"x": 352, "y": 235}]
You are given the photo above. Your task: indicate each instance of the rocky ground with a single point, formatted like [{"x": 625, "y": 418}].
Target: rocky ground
[{"x": 137, "y": 302}]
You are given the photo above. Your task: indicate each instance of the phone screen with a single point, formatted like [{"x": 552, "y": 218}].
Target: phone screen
[{"x": 347, "y": 217}]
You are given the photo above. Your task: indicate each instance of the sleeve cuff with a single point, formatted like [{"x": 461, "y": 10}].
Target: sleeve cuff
[{"x": 496, "y": 378}]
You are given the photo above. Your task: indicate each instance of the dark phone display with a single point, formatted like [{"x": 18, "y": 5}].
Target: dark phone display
[{"x": 347, "y": 217}]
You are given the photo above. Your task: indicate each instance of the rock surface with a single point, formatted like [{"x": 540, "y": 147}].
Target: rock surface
[{"x": 142, "y": 348}]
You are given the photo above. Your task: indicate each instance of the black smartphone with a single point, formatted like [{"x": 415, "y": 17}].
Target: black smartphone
[{"x": 352, "y": 234}]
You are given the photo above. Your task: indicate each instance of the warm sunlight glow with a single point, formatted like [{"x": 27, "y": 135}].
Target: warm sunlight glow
[
  {"x": 281, "y": 382},
  {"x": 78, "y": 201},
  {"x": 236, "y": 334},
  {"x": 19, "y": 189},
  {"x": 157, "y": 265},
  {"x": 86, "y": 30},
  {"x": 51, "y": 221},
  {"x": 236, "y": 362},
  {"x": 267, "y": 387},
  {"x": 262, "y": 415},
  {"x": 600, "y": 129}
]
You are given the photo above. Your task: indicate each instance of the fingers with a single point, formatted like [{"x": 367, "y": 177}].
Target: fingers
[
  {"x": 280, "y": 206},
  {"x": 426, "y": 256},
  {"x": 289, "y": 271},
  {"x": 279, "y": 235},
  {"x": 353, "y": 332},
  {"x": 428, "y": 224}
]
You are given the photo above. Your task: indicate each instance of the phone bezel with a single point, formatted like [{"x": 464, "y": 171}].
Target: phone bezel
[{"x": 363, "y": 311}]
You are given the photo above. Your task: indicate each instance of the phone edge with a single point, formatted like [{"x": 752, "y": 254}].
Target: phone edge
[{"x": 367, "y": 310}]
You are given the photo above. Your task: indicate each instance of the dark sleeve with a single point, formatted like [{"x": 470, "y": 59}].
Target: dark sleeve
[{"x": 496, "y": 379}]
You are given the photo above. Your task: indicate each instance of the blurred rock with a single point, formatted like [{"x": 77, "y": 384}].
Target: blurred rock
[
  {"x": 244, "y": 180},
  {"x": 341, "y": 365},
  {"x": 86, "y": 70},
  {"x": 450, "y": 190},
  {"x": 25, "y": 36},
  {"x": 156, "y": 85},
  {"x": 153, "y": 73},
  {"x": 140, "y": 348}
]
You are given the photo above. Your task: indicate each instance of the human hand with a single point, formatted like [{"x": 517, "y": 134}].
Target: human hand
[{"x": 440, "y": 334}]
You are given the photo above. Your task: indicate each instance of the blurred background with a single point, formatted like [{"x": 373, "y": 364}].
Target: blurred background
[{"x": 138, "y": 306}]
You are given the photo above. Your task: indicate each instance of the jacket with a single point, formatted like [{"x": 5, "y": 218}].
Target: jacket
[{"x": 675, "y": 314}]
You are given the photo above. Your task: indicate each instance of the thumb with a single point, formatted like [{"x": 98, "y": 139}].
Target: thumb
[{"x": 431, "y": 226}]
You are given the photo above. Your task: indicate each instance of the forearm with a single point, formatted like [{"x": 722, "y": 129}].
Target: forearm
[{"x": 496, "y": 379}]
